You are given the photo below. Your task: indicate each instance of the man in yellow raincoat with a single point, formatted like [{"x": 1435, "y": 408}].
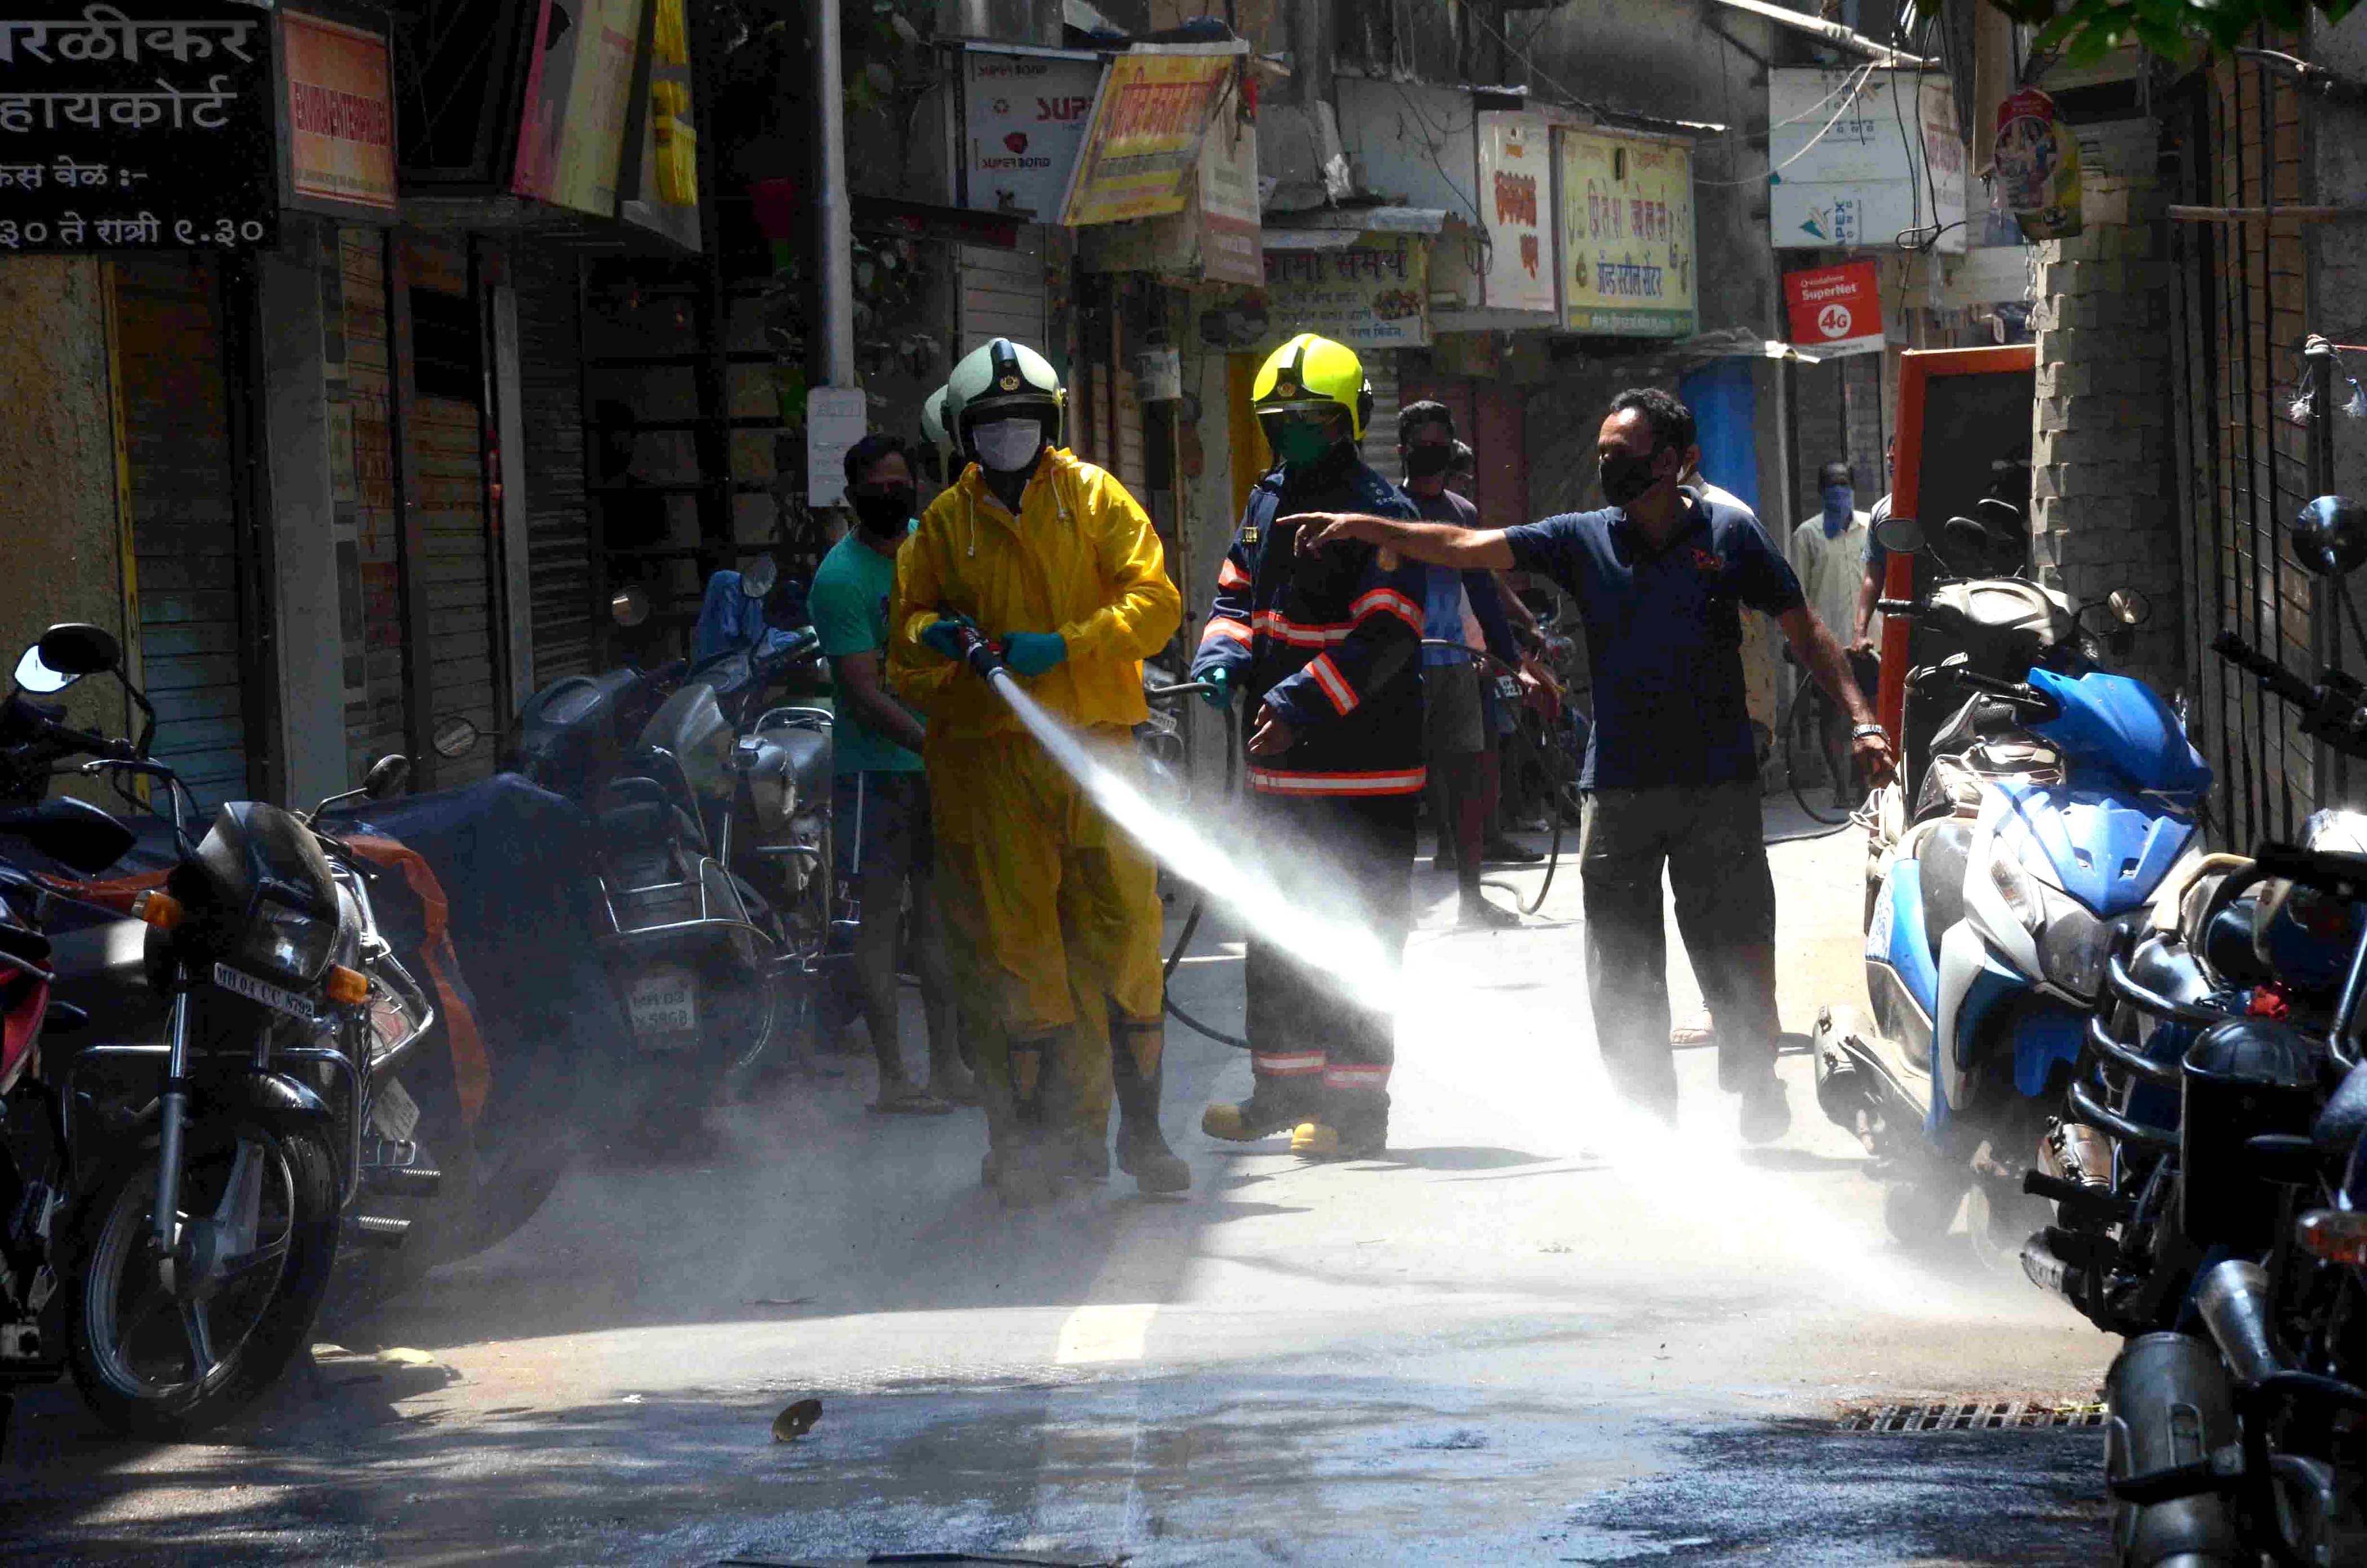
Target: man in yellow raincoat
[{"x": 1054, "y": 910}]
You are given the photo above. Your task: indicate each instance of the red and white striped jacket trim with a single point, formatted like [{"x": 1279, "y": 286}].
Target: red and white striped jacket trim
[
  {"x": 1221, "y": 626},
  {"x": 1335, "y": 685},
  {"x": 1361, "y": 1077},
  {"x": 1286, "y": 1065},
  {"x": 1231, "y": 576},
  {"x": 1299, "y": 633},
  {"x": 1390, "y": 601},
  {"x": 1277, "y": 782}
]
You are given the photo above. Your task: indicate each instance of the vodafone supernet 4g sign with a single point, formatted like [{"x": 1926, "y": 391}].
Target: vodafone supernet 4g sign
[{"x": 1835, "y": 310}]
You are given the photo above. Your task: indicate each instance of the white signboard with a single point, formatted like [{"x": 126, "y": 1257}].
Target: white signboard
[
  {"x": 1024, "y": 114},
  {"x": 836, "y": 417},
  {"x": 1516, "y": 200},
  {"x": 1860, "y": 159}
]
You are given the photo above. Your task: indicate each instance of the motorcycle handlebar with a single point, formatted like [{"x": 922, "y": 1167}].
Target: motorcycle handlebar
[
  {"x": 1907, "y": 607},
  {"x": 2274, "y": 676}
]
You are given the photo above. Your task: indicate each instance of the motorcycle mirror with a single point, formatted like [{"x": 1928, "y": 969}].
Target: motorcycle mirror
[
  {"x": 77, "y": 648},
  {"x": 1902, "y": 535},
  {"x": 756, "y": 578},
  {"x": 38, "y": 678},
  {"x": 2129, "y": 607},
  {"x": 2329, "y": 537},
  {"x": 455, "y": 737},
  {"x": 387, "y": 776},
  {"x": 631, "y": 606},
  {"x": 1968, "y": 538}
]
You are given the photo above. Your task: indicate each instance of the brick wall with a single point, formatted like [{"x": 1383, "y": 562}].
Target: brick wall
[{"x": 2105, "y": 512}]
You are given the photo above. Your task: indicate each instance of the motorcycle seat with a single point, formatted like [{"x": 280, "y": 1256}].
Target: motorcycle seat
[
  {"x": 1945, "y": 852},
  {"x": 646, "y": 825}
]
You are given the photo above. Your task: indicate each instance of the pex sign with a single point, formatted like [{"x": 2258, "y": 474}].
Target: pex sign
[{"x": 1835, "y": 311}]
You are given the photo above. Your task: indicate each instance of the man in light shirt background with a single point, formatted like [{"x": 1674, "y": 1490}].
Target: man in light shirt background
[{"x": 1827, "y": 553}]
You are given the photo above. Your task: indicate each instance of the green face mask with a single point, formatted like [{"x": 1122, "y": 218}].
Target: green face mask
[{"x": 1298, "y": 442}]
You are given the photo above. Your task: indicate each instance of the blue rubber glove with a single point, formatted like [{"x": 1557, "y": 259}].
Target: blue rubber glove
[
  {"x": 1031, "y": 654},
  {"x": 943, "y": 635},
  {"x": 1221, "y": 687}
]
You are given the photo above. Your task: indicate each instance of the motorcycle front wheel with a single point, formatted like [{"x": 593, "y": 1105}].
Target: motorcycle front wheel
[{"x": 256, "y": 1233}]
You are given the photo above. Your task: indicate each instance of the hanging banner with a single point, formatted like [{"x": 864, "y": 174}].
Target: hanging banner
[
  {"x": 1515, "y": 189},
  {"x": 658, "y": 187},
  {"x": 339, "y": 127},
  {"x": 1153, "y": 107},
  {"x": 2038, "y": 167},
  {"x": 143, "y": 125},
  {"x": 1374, "y": 294},
  {"x": 1835, "y": 311},
  {"x": 578, "y": 97},
  {"x": 1626, "y": 235},
  {"x": 1863, "y": 159},
  {"x": 1023, "y": 117}
]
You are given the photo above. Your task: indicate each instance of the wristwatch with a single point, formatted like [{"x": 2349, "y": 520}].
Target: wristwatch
[{"x": 1863, "y": 731}]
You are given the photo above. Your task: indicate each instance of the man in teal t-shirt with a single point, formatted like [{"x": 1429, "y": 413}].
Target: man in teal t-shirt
[{"x": 881, "y": 796}]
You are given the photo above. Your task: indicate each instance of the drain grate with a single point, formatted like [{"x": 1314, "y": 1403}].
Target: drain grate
[{"x": 1972, "y": 1416}]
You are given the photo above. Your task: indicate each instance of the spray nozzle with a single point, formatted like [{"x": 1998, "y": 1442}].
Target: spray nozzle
[{"x": 983, "y": 657}]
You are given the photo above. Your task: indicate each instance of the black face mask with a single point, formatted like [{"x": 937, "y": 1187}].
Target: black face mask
[
  {"x": 1428, "y": 459},
  {"x": 886, "y": 515},
  {"x": 1625, "y": 477}
]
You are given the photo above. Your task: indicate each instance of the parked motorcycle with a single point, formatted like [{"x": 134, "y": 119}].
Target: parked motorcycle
[
  {"x": 2058, "y": 799},
  {"x": 717, "y": 881},
  {"x": 206, "y": 1173}
]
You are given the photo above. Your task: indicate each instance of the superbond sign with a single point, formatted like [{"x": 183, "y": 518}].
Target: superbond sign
[
  {"x": 142, "y": 125},
  {"x": 1023, "y": 117}
]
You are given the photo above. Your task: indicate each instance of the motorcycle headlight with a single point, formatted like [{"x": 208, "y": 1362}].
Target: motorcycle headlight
[
  {"x": 2074, "y": 945},
  {"x": 288, "y": 942}
]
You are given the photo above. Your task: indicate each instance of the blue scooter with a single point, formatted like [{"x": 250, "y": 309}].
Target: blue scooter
[{"x": 2061, "y": 797}]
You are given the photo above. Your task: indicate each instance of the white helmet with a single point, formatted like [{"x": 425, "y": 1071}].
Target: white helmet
[
  {"x": 933, "y": 418},
  {"x": 1002, "y": 381}
]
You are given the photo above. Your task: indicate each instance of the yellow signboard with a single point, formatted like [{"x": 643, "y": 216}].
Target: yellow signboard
[
  {"x": 1628, "y": 262},
  {"x": 1143, "y": 144}
]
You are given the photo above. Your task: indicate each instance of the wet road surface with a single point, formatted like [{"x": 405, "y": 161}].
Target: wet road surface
[{"x": 1531, "y": 1333}]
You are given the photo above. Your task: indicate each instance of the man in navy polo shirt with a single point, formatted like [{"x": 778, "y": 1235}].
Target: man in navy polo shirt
[{"x": 1672, "y": 773}]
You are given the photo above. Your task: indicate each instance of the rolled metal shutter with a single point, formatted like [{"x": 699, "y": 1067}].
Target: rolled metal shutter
[
  {"x": 184, "y": 533},
  {"x": 1380, "y": 443},
  {"x": 1003, "y": 293},
  {"x": 559, "y": 527}
]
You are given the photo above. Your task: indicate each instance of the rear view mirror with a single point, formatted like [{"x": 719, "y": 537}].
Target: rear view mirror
[
  {"x": 756, "y": 578},
  {"x": 1966, "y": 539},
  {"x": 38, "y": 678},
  {"x": 1902, "y": 536},
  {"x": 455, "y": 737},
  {"x": 387, "y": 776},
  {"x": 2329, "y": 537},
  {"x": 630, "y": 605},
  {"x": 2129, "y": 607},
  {"x": 64, "y": 655}
]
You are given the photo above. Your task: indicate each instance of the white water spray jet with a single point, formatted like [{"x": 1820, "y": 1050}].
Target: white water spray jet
[{"x": 1698, "y": 1181}]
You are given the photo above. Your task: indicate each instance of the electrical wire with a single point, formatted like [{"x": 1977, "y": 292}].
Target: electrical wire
[{"x": 1855, "y": 85}]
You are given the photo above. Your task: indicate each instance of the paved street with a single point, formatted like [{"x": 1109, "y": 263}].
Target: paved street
[{"x": 1531, "y": 1334}]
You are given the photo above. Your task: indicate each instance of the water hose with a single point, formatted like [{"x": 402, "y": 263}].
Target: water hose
[
  {"x": 1553, "y": 808},
  {"x": 1199, "y": 900}
]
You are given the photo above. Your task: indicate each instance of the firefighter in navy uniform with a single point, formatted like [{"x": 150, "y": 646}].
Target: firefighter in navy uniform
[{"x": 1325, "y": 650}]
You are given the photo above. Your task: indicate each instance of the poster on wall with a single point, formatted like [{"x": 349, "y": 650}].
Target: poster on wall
[
  {"x": 1515, "y": 188},
  {"x": 1374, "y": 294},
  {"x": 578, "y": 97},
  {"x": 142, "y": 125},
  {"x": 1155, "y": 105},
  {"x": 1861, "y": 159},
  {"x": 1835, "y": 311},
  {"x": 1628, "y": 263},
  {"x": 1023, "y": 117},
  {"x": 339, "y": 125}
]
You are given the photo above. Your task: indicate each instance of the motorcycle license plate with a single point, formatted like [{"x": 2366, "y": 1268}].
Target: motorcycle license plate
[
  {"x": 665, "y": 1009},
  {"x": 394, "y": 1113},
  {"x": 238, "y": 983},
  {"x": 1508, "y": 687}
]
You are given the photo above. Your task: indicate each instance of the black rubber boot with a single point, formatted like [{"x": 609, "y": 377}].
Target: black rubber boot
[
  {"x": 1136, "y": 1063},
  {"x": 1275, "y": 1104},
  {"x": 1025, "y": 1175}
]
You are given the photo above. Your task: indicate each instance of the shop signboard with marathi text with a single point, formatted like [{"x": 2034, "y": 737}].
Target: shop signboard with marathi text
[
  {"x": 1628, "y": 262},
  {"x": 1154, "y": 106},
  {"x": 1023, "y": 117},
  {"x": 339, "y": 123},
  {"x": 145, "y": 124},
  {"x": 1515, "y": 195},
  {"x": 578, "y": 99},
  {"x": 1372, "y": 294}
]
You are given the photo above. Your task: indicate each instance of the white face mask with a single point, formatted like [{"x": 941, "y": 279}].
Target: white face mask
[{"x": 1006, "y": 446}]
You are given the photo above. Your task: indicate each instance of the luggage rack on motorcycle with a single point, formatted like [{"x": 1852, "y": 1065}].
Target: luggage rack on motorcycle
[{"x": 707, "y": 920}]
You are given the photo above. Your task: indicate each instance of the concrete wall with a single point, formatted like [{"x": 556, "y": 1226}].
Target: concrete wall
[{"x": 57, "y": 461}]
